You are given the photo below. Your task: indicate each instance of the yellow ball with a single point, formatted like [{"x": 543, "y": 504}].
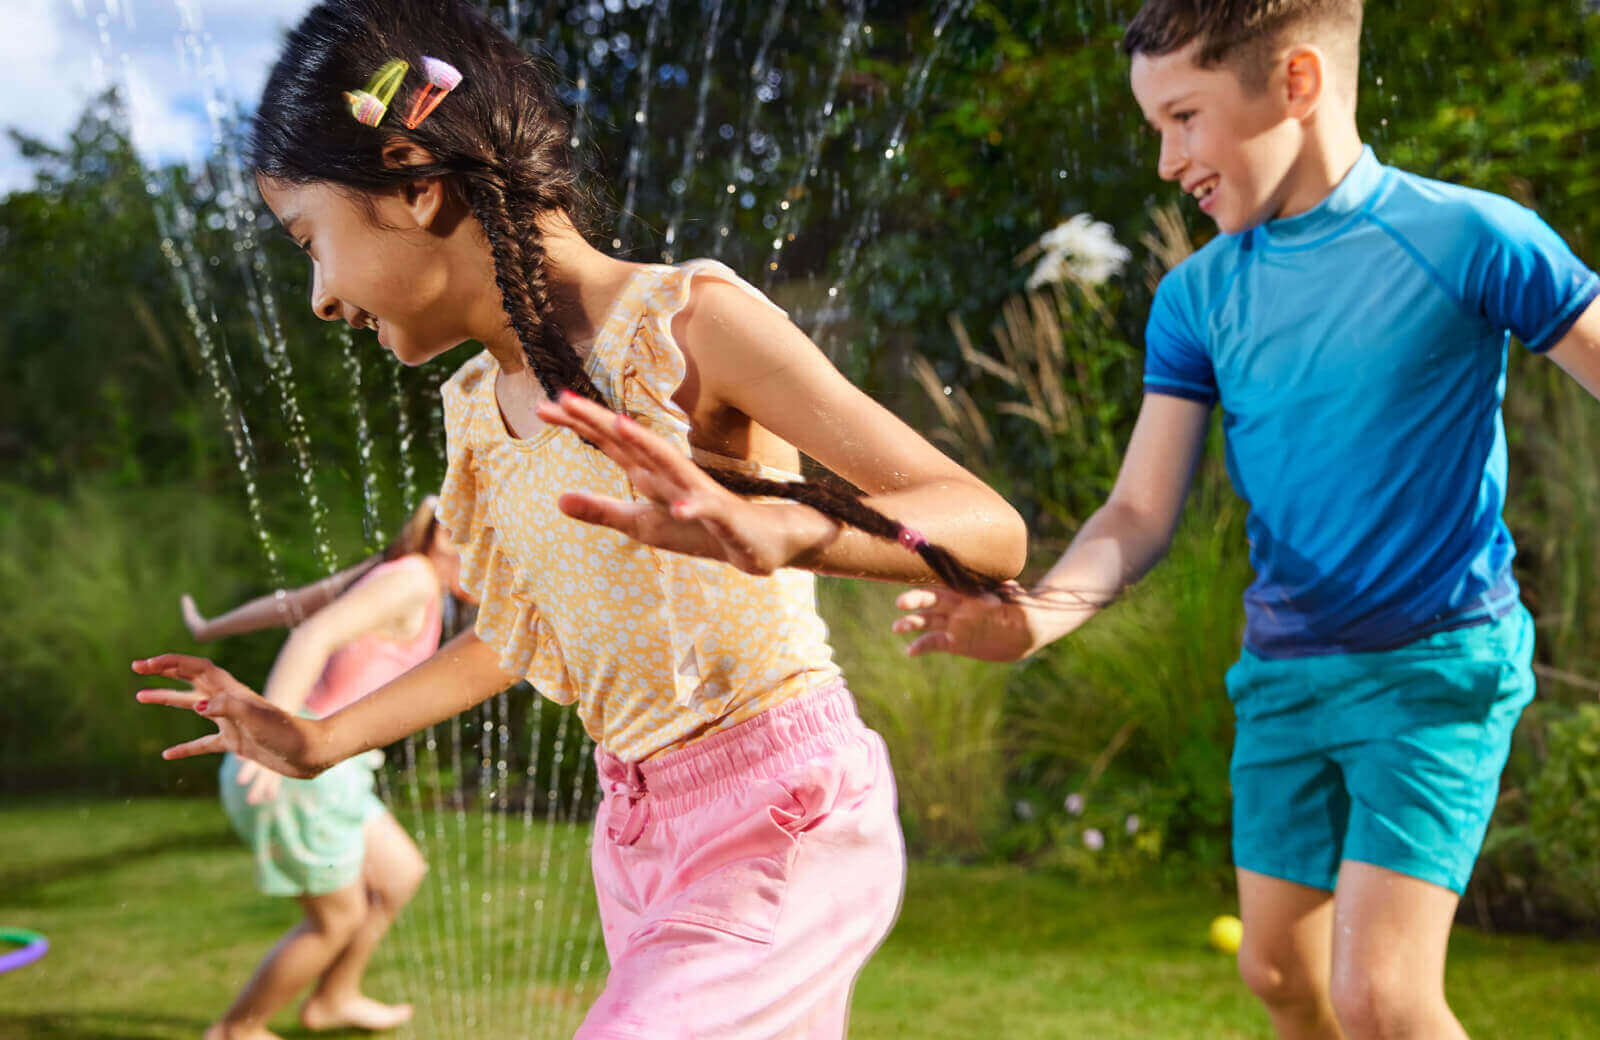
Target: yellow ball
[{"x": 1226, "y": 931}]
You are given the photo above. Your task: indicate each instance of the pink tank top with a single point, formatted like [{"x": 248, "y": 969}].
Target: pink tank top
[{"x": 364, "y": 664}]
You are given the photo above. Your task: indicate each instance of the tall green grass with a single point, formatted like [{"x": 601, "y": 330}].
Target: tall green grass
[
  {"x": 92, "y": 581},
  {"x": 942, "y": 719}
]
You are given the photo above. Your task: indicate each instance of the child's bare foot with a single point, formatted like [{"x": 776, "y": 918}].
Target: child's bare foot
[
  {"x": 224, "y": 1031},
  {"x": 356, "y": 1012}
]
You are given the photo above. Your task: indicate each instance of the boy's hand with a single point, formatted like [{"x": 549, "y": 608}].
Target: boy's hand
[
  {"x": 247, "y": 724},
  {"x": 985, "y": 627}
]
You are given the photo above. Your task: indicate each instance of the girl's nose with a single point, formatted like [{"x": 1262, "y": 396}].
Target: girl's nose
[{"x": 323, "y": 304}]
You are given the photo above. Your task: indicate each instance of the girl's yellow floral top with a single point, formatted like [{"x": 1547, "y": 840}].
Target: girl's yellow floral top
[{"x": 657, "y": 649}]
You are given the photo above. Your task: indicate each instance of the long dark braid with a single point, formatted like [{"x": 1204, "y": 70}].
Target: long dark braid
[
  {"x": 502, "y": 140},
  {"x": 519, "y": 272}
]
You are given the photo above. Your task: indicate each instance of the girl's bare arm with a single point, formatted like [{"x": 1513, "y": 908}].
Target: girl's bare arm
[
  {"x": 284, "y": 608},
  {"x": 463, "y": 673}
]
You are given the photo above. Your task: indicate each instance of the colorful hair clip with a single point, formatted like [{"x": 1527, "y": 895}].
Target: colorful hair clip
[
  {"x": 370, "y": 105},
  {"x": 443, "y": 77}
]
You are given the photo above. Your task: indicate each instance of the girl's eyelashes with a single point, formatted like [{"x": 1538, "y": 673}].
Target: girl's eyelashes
[{"x": 304, "y": 245}]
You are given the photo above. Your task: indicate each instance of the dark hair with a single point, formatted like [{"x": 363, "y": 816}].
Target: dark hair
[
  {"x": 502, "y": 141},
  {"x": 1241, "y": 31}
]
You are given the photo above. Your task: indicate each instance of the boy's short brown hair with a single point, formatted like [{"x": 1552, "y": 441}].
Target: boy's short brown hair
[{"x": 1246, "y": 33}]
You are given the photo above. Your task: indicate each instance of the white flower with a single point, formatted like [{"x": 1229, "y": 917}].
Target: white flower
[
  {"x": 1131, "y": 825},
  {"x": 1074, "y": 804},
  {"x": 1094, "y": 839},
  {"x": 1082, "y": 249},
  {"x": 1024, "y": 810}
]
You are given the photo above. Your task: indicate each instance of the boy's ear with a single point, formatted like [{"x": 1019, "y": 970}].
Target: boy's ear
[
  {"x": 1305, "y": 80},
  {"x": 425, "y": 196}
]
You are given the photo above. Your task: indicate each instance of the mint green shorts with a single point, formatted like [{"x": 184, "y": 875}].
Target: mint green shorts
[
  {"x": 1390, "y": 758},
  {"x": 311, "y": 838}
]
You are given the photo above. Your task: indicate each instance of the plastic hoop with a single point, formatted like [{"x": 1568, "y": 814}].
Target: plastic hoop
[{"x": 33, "y": 944}]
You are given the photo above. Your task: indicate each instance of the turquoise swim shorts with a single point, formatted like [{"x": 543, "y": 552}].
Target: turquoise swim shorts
[
  {"x": 311, "y": 838},
  {"x": 1389, "y": 758}
]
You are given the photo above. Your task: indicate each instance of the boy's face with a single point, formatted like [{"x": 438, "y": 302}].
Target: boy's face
[{"x": 1231, "y": 148}]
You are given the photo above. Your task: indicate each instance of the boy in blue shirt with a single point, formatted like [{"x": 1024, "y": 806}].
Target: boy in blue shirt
[{"x": 1351, "y": 321}]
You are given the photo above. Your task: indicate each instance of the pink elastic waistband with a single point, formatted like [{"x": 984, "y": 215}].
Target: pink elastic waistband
[{"x": 767, "y": 745}]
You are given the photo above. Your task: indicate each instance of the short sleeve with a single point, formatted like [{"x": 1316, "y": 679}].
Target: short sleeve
[
  {"x": 1175, "y": 360},
  {"x": 458, "y": 496},
  {"x": 1521, "y": 276}
]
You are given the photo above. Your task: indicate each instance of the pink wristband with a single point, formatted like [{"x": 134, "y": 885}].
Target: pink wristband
[{"x": 911, "y": 538}]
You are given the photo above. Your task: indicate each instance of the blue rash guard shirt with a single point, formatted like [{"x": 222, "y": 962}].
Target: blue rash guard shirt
[{"x": 1358, "y": 353}]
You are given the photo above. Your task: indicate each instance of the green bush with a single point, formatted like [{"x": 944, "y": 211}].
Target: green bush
[
  {"x": 941, "y": 718},
  {"x": 94, "y": 577}
]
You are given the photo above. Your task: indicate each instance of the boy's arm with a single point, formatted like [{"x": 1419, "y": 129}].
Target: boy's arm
[
  {"x": 1578, "y": 352},
  {"x": 1116, "y": 547}
]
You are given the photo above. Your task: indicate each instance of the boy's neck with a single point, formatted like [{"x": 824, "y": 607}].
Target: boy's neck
[{"x": 1324, "y": 161}]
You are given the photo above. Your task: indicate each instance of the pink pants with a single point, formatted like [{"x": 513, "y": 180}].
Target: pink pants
[{"x": 744, "y": 880}]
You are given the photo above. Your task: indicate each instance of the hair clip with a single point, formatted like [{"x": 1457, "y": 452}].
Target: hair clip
[
  {"x": 911, "y": 538},
  {"x": 443, "y": 77},
  {"x": 371, "y": 104}
]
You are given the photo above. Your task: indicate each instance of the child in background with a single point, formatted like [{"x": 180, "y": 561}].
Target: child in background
[
  {"x": 1351, "y": 321},
  {"x": 328, "y": 841},
  {"x": 747, "y": 857}
]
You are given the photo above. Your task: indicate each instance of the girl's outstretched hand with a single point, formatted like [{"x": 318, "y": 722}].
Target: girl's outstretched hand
[
  {"x": 192, "y": 620},
  {"x": 247, "y": 724},
  {"x": 264, "y": 783},
  {"x": 985, "y": 627},
  {"x": 684, "y": 510}
]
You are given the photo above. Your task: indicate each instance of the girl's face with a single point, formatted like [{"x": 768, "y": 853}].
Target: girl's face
[{"x": 387, "y": 269}]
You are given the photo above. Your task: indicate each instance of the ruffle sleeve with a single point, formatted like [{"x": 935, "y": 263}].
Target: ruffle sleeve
[{"x": 508, "y": 614}]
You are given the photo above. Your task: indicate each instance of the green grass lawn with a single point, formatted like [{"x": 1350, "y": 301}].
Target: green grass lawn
[{"x": 153, "y": 922}]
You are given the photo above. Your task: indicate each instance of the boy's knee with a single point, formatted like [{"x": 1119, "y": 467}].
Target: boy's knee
[
  {"x": 1375, "y": 1004},
  {"x": 1278, "y": 977}
]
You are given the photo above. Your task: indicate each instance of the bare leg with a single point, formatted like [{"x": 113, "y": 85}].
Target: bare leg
[
  {"x": 1285, "y": 955},
  {"x": 1390, "y": 936},
  {"x": 391, "y": 872},
  {"x": 298, "y": 958}
]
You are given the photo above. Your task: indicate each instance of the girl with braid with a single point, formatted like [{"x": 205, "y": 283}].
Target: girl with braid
[
  {"x": 622, "y": 488},
  {"x": 328, "y": 841}
]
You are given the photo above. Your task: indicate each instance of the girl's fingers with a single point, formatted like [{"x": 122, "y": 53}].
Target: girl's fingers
[
  {"x": 657, "y": 454},
  {"x": 210, "y": 745},
  {"x": 176, "y": 666},
  {"x": 599, "y": 509},
  {"x": 909, "y": 623},
  {"x": 170, "y": 698},
  {"x": 247, "y": 772},
  {"x": 595, "y": 431}
]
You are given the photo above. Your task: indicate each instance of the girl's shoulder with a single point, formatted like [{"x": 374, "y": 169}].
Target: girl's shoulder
[
  {"x": 462, "y": 393},
  {"x": 675, "y": 289}
]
